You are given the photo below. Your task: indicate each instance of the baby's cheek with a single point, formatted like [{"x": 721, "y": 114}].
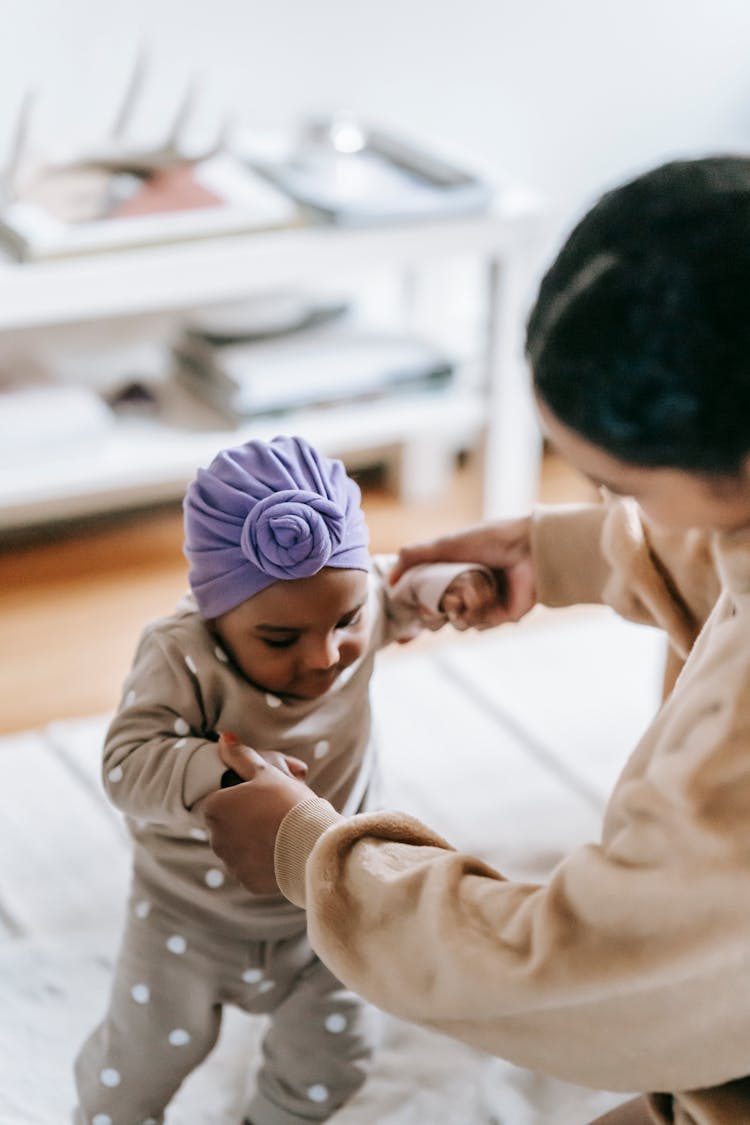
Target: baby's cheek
[
  {"x": 353, "y": 646},
  {"x": 276, "y": 670}
]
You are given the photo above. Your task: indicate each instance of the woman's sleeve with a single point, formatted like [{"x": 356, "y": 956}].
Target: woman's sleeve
[
  {"x": 629, "y": 970},
  {"x": 607, "y": 553}
]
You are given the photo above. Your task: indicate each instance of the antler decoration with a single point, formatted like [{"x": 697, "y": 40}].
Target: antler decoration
[{"x": 115, "y": 153}]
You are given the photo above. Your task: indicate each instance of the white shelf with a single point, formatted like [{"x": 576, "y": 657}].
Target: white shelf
[
  {"x": 221, "y": 269},
  {"x": 143, "y": 462}
]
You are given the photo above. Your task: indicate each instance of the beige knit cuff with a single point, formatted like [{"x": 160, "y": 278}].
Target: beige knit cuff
[{"x": 300, "y": 831}]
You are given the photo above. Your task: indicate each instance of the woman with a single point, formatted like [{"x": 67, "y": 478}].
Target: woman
[{"x": 630, "y": 968}]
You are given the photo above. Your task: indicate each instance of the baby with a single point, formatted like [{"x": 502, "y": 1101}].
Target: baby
[{"x": 274, "y": 646}]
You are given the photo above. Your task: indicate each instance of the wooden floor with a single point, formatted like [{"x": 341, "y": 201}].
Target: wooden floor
[
  {"x": 74, "y": 599},
  {"x": 512, "y": 766}
]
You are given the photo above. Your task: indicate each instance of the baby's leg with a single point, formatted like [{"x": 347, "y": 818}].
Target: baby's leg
[
  {"x": 317, "y": 1050},
  {"x": 162, "y": 1021}
]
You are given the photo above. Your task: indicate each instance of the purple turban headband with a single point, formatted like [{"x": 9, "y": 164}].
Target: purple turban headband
[{"x": 267, "y": 511}]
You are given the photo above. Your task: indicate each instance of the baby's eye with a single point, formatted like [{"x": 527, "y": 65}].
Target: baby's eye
[
  {"x": 350, "y": 619},
  {"x": 283, "y": 642}
]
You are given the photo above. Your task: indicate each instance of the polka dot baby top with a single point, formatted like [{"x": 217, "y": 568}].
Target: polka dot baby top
[{"x": 160, "y": 753}]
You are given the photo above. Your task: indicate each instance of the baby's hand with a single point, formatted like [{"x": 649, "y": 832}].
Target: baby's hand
[{"x": 469, "y": 598}]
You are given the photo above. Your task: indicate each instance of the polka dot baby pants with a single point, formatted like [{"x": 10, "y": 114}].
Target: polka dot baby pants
[{"x": 170, "y": 984}]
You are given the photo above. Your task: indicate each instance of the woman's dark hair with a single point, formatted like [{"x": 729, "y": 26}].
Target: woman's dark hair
[{"x": 639, "y": 339}]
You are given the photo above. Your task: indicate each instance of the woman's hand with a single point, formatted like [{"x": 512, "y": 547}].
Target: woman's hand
[
  {"x": 243, "y": 821},
  {"x": 504, "y": 548}
]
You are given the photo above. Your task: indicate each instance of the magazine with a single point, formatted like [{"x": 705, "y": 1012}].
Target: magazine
[{"x": 85, "y": 210}]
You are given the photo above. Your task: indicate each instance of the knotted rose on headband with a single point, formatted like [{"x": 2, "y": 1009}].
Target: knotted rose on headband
[{"x": 265, "y": 512}]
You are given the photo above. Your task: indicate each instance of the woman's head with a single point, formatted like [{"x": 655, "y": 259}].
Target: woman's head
[{"x": 639, "y": 339}]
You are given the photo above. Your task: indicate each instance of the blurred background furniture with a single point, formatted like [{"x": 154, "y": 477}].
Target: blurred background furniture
[{"x": 146, "y": 458}]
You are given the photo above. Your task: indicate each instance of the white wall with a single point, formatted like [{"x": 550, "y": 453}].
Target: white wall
[{"x": 567, "y": 96}]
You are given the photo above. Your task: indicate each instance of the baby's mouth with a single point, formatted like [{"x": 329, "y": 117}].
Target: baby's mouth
[{"x": 317, "y": 683}]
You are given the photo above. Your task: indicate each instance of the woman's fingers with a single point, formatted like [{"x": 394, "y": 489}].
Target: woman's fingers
[
  {"x": 292, "y": 767},
  {"x": 521, "y": 590},
  {"x": 297, "y": 767},
  {"x": 446, "y": 549},
  {"x": 495, "y": 545},
  {"x": 242, "y": 759},
  {"x": 245, "y": 761}
]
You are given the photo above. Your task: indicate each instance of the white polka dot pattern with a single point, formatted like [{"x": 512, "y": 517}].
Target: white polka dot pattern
[
  {"x": 115, "y": 774},
  {"x": 129, "y": 698},
  {"x": 336, "y": 1023},
  {"x": 221, "y": 655},
  {"x": 318, "y": 1092},
  {"x": 252, "y": 976},
  {"x": 141, "y": 993},
  {"x": 199, "y": 833},
  {"x": 181, "y": 727},
  {"x": 101, "y": 1119},
  {"x": 179, "y": 1037},
  {"x": 176, "y": 943},
  {"x": 142, "y": 909},
  {"x": 266, "y": 986},
  {"x": 273, "y": 700},
  {"x": 180, "y": 743},
  {"x": 322, "y": 748},
  {"x": 191, "y": 665},
  {"x": 110, "y": 1077},
  {"x": 214, "y": 878}
]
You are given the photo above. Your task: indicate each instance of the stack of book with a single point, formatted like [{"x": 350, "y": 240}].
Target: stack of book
[{"x": 323, "y": 357}]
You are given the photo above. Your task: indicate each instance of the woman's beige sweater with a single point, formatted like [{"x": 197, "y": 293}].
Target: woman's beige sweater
[{"x": 630, "y": 968}]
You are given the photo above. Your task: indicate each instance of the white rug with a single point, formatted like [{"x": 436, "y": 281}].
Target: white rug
[{"x": 53, "y": 994}]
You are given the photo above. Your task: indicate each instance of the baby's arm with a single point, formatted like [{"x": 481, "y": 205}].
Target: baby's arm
[
  {"x": 428, "y": 596},
  {"x": 160, "y": 756}
]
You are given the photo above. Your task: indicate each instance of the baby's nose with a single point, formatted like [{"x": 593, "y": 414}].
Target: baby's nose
[{"x": 323, "y": 651}]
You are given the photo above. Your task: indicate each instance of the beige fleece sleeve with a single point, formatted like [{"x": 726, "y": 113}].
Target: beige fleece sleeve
[
  {"x": 607, "y": 553},
  {"x": 630, "y": 970}
]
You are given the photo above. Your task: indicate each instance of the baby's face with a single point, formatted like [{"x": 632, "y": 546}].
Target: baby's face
[{"x": 295, "y": 638}]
